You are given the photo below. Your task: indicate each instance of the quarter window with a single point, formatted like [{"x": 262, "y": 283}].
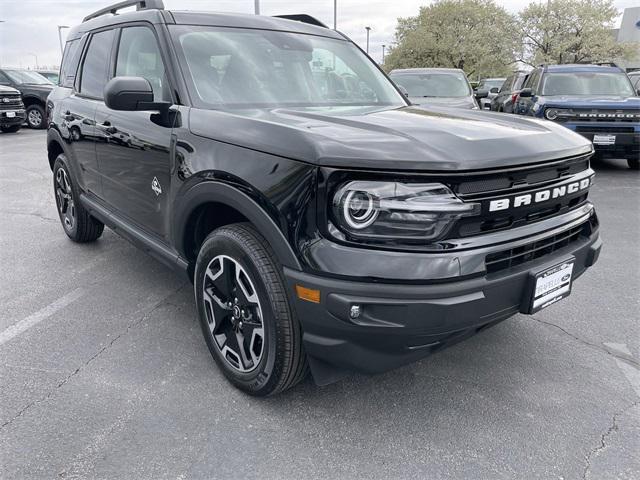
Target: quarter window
[
  {"x": 139, "y": 56},
  {"x": 69, "y": 63},
  {"x": 96, "y": 64}
]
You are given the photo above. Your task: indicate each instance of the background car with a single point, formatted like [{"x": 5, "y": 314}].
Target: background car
[
  {"x": 597, "y": 101},
  {"x": 508, "y": 93},
  {"x": 483, "y": 92},
  {"x": 34, "y": 89},
  {"x": 51, "y": 75},
  {"x": 435, "y": 86}
]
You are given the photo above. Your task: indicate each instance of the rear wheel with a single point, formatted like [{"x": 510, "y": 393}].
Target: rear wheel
[
  {"x": 11, "y": 129},
  {"x": 250, "y": 328},
  {"x": 76, "y": 221},
  {"x": 36, "y": 116},
  {"x": 634, "y": 163}
]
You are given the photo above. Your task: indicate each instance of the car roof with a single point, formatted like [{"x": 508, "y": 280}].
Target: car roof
[
  {"x": 425, "y": 70},
  {"x": 237, "y": 20},
  {"x": 571, "y": 67}
]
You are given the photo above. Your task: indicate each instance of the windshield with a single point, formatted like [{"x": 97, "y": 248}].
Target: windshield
[
  {"x": 242, "y": 68},
  {"x": 24, "y": 76},
  {"x": 587, "y": 83},
  {"x": 440, "y": 84},
  {"x": 489, "y": 83}
]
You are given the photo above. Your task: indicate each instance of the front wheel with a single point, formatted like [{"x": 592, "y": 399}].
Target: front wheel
[
  {"x": 250, "y": 328},
  {"x": 35, "y": 117}
]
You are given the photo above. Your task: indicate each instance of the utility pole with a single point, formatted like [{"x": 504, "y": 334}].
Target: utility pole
[
  {"x": 257, "y": 6},
  {"x": 335, "y": 14},
  {"x": 368, "y": 29},
  {"x": 36, "y": 57},
  {"x": 1, "y": 21},
  {"x": 60, "y": 27},
  {"x": 383, "y": 47}
]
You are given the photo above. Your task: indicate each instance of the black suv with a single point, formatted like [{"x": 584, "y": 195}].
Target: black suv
[
  {"x": 323, "y": 221},
  {"x": 34, "y": 89}
]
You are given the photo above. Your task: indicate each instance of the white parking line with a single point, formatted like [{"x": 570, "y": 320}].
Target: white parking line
[{"x": 42, "y": 314}]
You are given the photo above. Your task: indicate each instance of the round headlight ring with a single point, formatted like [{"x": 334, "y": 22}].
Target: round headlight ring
[
  {"x": 551, "y": 113},
  {"x": 359, "y": 209}
]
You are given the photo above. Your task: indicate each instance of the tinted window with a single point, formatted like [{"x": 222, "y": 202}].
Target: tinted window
[
  {"x": 69, "y": 63},
  {"x": 139, "y": 56},
  {"x": 234, "y": 67},
  {"x": 587, "y": 83},
  {"x": 436, "y": 84},
  {"x": 506, "y": 86},
  {"x": 96, "y": 64}
]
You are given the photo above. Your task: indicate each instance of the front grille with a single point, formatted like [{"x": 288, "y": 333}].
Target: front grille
[
  {"x": 512, "y": 257},
  {"x": 590, "y": 115},
  {"x": 612, "y": 130},
  {"x": 11, "y": 103}
]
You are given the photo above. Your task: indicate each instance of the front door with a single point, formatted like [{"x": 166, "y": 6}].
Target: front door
[{"x": 133, "y": 148}]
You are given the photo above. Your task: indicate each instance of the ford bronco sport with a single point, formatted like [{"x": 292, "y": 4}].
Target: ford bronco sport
[
  {"x": 596, "y": 101},
  {"x": 325, "y": 223}
]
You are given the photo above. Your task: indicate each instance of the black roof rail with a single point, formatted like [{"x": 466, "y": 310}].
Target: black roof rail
[
  {"x": 304, "y": 18},
  {"x": 139, "y": 4}
]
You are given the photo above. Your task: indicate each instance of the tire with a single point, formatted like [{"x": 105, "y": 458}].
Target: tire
[
  {"x": 36, "y": 117},
  {"x": 240, "y": 292},
  {"x": 634, "y": 163},
  {"x": 76, "y": 221},
  {"x": 11, "y": 129}
]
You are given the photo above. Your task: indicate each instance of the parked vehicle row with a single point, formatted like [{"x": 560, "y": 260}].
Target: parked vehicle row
[
  {"x": 34, "y": 89},
  {"x": 600, "y": 102}
]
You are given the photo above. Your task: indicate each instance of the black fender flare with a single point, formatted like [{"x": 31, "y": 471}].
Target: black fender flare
[{"x": 219, "y": 192}]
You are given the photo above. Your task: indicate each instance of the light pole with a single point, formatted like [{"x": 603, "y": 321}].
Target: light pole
[
  {"x": 368, "y": 29},
  {"x": 256, "y": 7},
  {"x": 60, "y": 27},
  {"x": 1, "y": 21},
  {"x": 335, "y": 14},
  {"x": 383, "y": 47},
  {"x": 36, "y": 57}
]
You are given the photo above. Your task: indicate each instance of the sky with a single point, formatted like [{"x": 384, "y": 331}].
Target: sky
[{"x": 29, "y": 27}]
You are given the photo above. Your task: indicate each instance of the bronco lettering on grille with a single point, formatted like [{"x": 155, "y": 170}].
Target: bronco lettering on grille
[{"x": 539, "y": 196}]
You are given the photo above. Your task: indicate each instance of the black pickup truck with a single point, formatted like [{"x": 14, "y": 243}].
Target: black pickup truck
[{"x": 324, "y": 221}]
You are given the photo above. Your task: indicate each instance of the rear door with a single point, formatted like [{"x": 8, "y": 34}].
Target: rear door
[
  {"x": 134, "y": 148},
  {"x": 78, "y": 110}
]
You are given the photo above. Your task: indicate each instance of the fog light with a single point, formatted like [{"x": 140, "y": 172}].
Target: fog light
[{"x": 355, "y": 311}]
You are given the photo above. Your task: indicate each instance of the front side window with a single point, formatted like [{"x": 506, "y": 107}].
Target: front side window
[
  {"x": 96, "y": 64},
  {"x": 139, "y": 56},
  {"x": 587, "y": 83},
  {"x": 69, "y": 63},
  {"x": 242, "y": 68},
  {"x": 436, "y": 84}
]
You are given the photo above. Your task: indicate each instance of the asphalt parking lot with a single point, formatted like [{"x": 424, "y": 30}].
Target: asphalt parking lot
[{"x": 104, "y": 372}]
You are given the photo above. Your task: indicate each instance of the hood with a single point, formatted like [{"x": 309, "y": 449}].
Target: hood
[
  {"x": 24, "y": 88},
  {"x": 407, "y": 138},
  {"x": 582, "y": 101},
  {"x": 7, "y": 89},
  {"x": 454, "y": 102}
]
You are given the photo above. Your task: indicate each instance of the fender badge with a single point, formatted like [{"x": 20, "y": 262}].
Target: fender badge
[{"x": 155, "y": 186}]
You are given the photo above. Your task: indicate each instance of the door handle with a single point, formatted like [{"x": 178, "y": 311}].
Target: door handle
[
  {"x": 67, "y": 116},
  {"x": 110, "y": 129}
]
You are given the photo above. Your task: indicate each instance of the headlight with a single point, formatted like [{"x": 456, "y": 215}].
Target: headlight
[
  {"x": 384, "y": 211},
  {"x": 554, "y": 113}
]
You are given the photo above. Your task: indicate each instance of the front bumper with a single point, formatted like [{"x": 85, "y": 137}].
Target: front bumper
[
  {"x": 403, "y": 322},
  {"x": 18, "y": 119},
  {"x": 627, "y": 137}
]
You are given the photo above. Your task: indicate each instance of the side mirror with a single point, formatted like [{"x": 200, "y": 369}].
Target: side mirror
[
  {"x": 638, "y": 91},
  {"x": 526, "y": 93},
  {"x": 129, "y": 94},
  {"x": 494, "y": 90}
]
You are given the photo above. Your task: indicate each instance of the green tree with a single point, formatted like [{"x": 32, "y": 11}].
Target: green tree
[
  {"x": 571, "y": 31},
  {"x": 475, "y": 35}
]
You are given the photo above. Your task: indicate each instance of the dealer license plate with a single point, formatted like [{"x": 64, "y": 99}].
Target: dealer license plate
[
  {"x": 604, "y": 139},
  {"x": 552, "y": 285},
  {"x": 10, "y": 114}
]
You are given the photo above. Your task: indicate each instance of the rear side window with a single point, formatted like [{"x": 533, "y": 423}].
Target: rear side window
[
  {"x": 96, "y": 64},
  {"x": 139, "y": 56},
  {"x": 69, "y": 63}
]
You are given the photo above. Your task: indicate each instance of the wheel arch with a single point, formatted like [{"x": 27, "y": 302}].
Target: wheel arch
[
  {"x": 29, "y": 100},
  {"x": 212, "y": 204},
  {"x": 55, "y": 146}
]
